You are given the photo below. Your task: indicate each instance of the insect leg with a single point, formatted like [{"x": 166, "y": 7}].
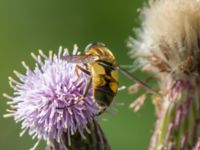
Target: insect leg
[
  {"x": 82, "y": 69},
  {"x": 85, "y": 90}
]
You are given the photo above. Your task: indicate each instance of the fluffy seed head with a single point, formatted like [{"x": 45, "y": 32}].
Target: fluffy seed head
[
  {"x": 168, "y": 46},
  {"x": 168, "y": 41},
  {"x": 45, "y": 99}
]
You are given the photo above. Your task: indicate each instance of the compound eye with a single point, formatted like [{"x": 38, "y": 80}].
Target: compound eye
[{"x": 93, "y": 45}]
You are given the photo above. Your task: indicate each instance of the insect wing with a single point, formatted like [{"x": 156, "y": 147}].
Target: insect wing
[
  {"x": 80, "y": 58},
  {"x": 133, "y": 77}
]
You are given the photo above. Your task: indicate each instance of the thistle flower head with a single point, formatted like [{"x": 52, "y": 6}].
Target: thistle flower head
[
  {"x": 46, "y": 100},
  {"x": 168, "y": 47},
  {"x": 168, "y": 41}
]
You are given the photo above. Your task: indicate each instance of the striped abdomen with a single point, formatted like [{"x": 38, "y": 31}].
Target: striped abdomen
[{"x": 104, "y": 82}]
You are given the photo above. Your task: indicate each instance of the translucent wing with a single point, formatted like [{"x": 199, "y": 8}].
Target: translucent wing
[
  {"x": 80, "y": 58},
  {"x": 136, "y": 79}
]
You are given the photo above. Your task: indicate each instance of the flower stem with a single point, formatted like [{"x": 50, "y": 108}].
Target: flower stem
[
  {"x": 178, "y": 125},
  {"x": 95, "y": 140}
]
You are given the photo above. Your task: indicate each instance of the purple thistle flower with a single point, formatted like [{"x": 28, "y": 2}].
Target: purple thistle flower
[{"x": 45, "y": 99}]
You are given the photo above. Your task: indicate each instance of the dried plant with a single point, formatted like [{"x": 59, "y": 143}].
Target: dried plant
[{"x": 168, "y": 47}]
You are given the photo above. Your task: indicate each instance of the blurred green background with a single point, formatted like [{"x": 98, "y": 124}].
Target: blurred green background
[{"x": 26, "y": 26}]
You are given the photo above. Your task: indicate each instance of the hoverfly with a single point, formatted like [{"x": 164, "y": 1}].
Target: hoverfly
[{"x": 102, "y": 67}]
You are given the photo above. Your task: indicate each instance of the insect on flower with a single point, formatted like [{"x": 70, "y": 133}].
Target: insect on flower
[
  {"x": 101, "y": 65},
  {"x": 51, "y": 84}
]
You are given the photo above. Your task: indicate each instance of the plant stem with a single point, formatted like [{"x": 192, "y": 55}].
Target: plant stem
[{"x": 95, "y": 140}]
